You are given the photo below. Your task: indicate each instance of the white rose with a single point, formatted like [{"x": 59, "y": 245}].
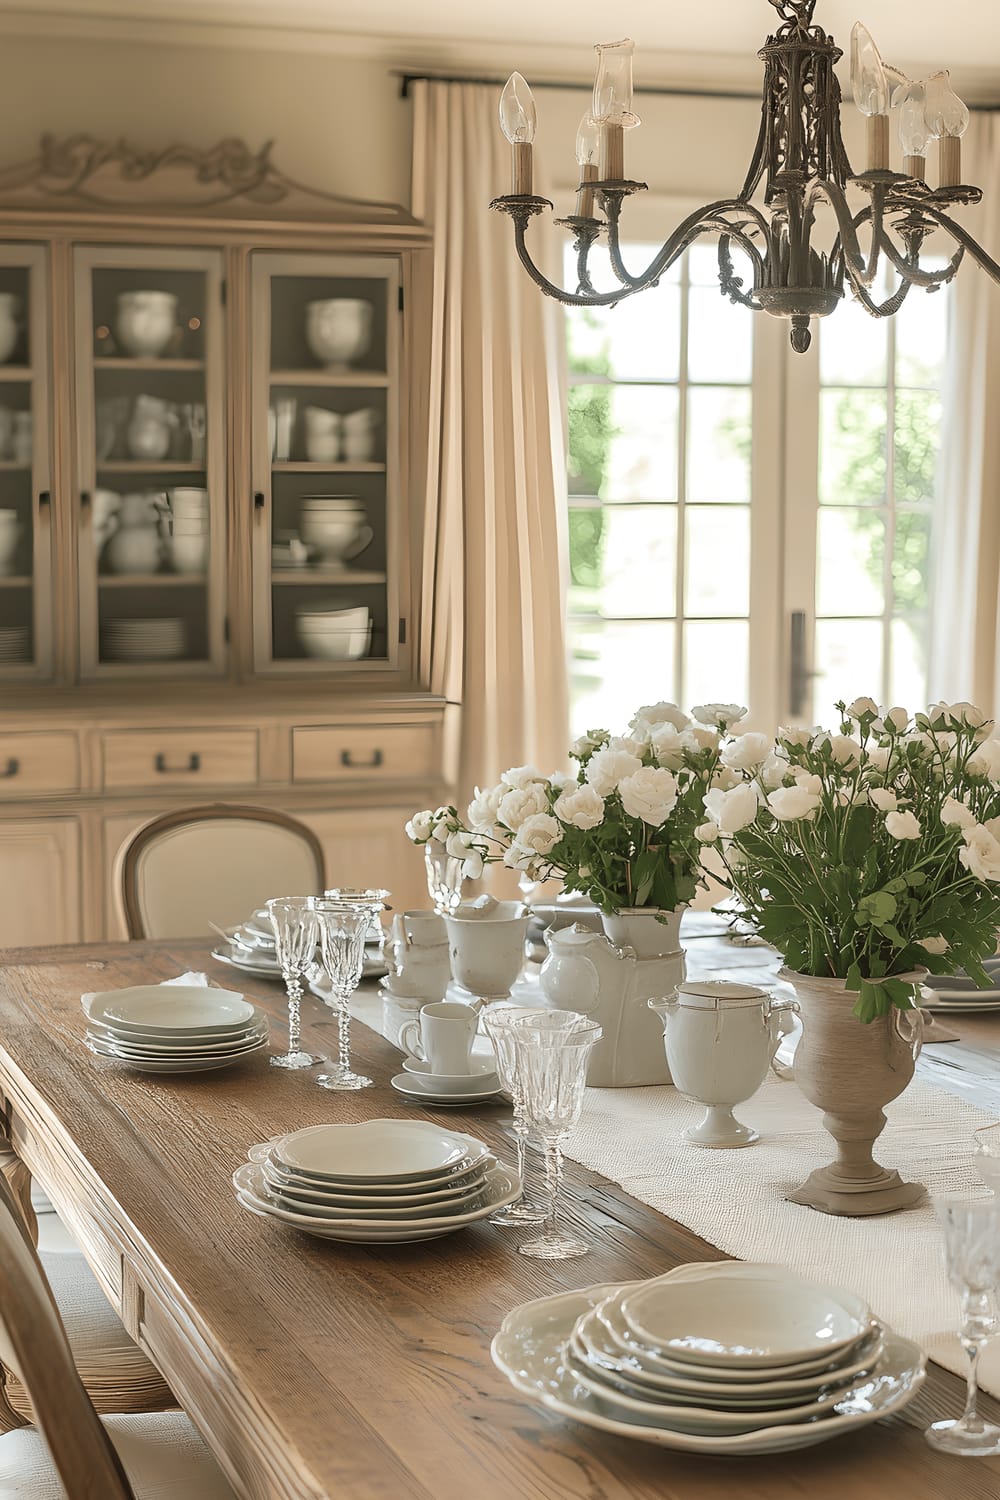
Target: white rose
[
  {"x": 708, "y": 833},
  {"x": 791, "y": 803},
  {"x": 484, "y": 808},
  {"x": 560, "y": 782},
  {"x": 473, "y": 865},
  {"x": 699, "y": 737},
  {"x": 902, "y": 825},
  {"x": 420, "y": 826},
  {"x": 981, "y": 855},
  {"x": 606, "y": 768},
  {"x": 845, "y": 750},
  {"x": 720, "y": 715},
  {"x": 985, "y": 761},
  {"x": 862, "y": 706},
  {"x": 954, "y": 813},
  {"x": 731, "y": 811},
  {"x": 723, "y": 779},
  {"x": 879, "y": 756},
  {"x": 650, "y": 794},
  {"x": 808, "y": 781},
  {"x": 655, "y": 714},
  {"x": 519, "y": 804},
  {"x": 459, "y": 844},
  {"x": 632, "y": 745},
  {"x": 934, "y": 944},
  {"x": 589, "y": 742},
  {"x": 748, "y": 752},
  {"x": 798, "y": 737},
  {"x": 883, "y": 799},
  {"x": 580, "y": 807},
  {"x": 442, "y": 830},
  {"x": 516, "y": 858},
  {"x": 539, "y": 834},
  {"x": 521, "y": 777},
  {"x": 968, "y": 713},
  {"x": 897, "y": 719},
  {"x": 773, "y": 771},
  {"x": 668, "y": 745}
]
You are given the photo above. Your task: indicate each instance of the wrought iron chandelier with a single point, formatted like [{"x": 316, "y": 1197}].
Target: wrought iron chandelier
[{"x": 800, "y": 160}]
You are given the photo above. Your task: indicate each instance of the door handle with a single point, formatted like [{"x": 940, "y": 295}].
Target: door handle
[
  {"x": 11, "y": 768},
  {"x": 44, "y": 499},
  {"x": 371, "y": 764},
  {"x": 800, "y": 674},
  {"x": 258, "y": 500},
  {"x": 193, "y": 764}
]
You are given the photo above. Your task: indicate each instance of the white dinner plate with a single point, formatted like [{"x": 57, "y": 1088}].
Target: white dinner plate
[
  {"x": 422, "y": 1213},
  {"x": 186, "y": 1065},
  {"x": 529, "y": 1346},
  {"x": 259, "y": 965},
  {"x": 361, "y": 1193},
  {"x": 416, "y": 1094},
  {"x": 185, "y": 1047},
  {"x": 174, "y": 1007},
  {"x": 418, "y": 1205},
  {"x": 178, "y": 1054},
  {"x": 183, "y": 1036},
  {"x": 384, "y": 1151}
]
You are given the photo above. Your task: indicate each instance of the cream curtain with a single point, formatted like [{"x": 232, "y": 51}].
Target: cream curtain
[
  {"x": 493, "y": 543},
  {"x": 965, "y": 640}
]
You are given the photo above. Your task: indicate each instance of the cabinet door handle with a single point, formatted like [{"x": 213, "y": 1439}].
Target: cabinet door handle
[
  {"x": 44, "y": 499},
  {"x": 84, "y": 499},
  {"x": 258, "y": 500},
  {"x": 371, "y": 764},
  {"x": 193, "y": 764},
  {"x": 11, "y": 768}
]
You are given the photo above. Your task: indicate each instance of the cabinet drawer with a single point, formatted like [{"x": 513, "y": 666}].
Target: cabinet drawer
[
  {"x": 33, "y": 764},
  {"x": 386, "y": 752},
  {"x": 180, "y": 757}
]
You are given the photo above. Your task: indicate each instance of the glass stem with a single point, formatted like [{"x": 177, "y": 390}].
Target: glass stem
[
  {"x": 294, "y": 990},
  {"x": 553, "y": 1185},
  {"x": 977, "y": 1324},
  {"x": 344, "y": 1035},
  {"x": 973, "y": 1349}
]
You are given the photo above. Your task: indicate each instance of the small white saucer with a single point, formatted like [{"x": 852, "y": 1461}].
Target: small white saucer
[
  {"x": 482, "y": 1075},
  {"x": 404, "y": 1084}
]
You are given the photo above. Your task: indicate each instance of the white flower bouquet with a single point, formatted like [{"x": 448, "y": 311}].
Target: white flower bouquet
[
  {"x": 622, "y": 831},
  {"x": 865, "y": 854}
]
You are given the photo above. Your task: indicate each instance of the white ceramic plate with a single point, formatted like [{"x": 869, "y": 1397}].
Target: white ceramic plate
[
  {"x": 502, "y": 1187},
  {"x": 965, "y": 1006},
  {"x": 482, "y": 1075},
  {"x": 420, "y": 1205},
  {"x": 743, "y": 1316},
  {"x": 176, "y": 1054},
  {"x": 384, "y": 1151},
  {"x": 408, "y": 1192},
  {"x": 403, "y": 1084},
  {"x": 187, "y": 1047},
  {"x": 188, "y": 1065},
  {"x": 183, "y": 1036},
  {"x": 259, "y": 964},
  {"x": 368, "y": 1215},
  {"x": 174, "y": 1007},
  {"x": 528, "y": 1350},
  {"x": 603, "y": 1351}
]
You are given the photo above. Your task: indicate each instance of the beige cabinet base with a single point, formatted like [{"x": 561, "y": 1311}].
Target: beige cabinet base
[{"x": 39, "y": 881}]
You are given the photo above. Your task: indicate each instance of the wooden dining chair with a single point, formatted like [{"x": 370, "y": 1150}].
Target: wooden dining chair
[
  {"x": 72, "y": 1452},
  {"x": 186, "y": 869}
]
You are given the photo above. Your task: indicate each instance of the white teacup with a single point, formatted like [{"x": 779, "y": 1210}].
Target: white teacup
[{"x": 442, "y": 1037}]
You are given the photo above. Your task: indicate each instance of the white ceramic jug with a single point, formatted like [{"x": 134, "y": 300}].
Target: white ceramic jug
[{"x": 486, "y": 940}]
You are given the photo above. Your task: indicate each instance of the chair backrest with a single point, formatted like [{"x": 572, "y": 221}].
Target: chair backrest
[
  {"x": 34, "y": 1346},
  {"x": 180, "y": 871}
]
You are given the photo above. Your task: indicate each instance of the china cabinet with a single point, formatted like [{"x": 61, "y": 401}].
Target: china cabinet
[{"x": 209, "y": 381}]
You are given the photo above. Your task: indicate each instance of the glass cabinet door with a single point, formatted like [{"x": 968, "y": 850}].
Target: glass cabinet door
[
  {"x": 25, "y": 462},
  {"x": 325, "y": 393},
  {"x": 151, "y": 456}
]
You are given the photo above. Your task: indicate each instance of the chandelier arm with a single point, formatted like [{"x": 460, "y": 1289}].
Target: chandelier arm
[
  {"x": 707, "y": 220},
  {"x": 913, "y": 273},
  {"x": 848, "y": 225},
  {"x": 731, "y": 284},
  {"x": 568, "y": 299},
  {"x": 885, "y": 309}
]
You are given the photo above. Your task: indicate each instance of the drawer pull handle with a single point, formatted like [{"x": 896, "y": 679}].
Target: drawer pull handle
[
  {"x": 194, "y": 764},
  {"x": 372, "y": 764},
  {"x": 11, "y": 768}
]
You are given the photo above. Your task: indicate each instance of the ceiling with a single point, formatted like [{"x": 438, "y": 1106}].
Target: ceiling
[{"x": 962, "y": 34}]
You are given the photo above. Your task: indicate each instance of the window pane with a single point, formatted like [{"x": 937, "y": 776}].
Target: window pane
[
  {"x": 616, "y": 668},
  {"x": 716, "y": 657},
  {"x": 637, "y": 340},
  {"x": 852, "y": 462},
  {"x": 918, "y": 438},
  {"x": 908, "y": 678},
  {"x": 720, "y": 337},
  {"x": 623, "y": 442},
  {"x": 911, "y": 562},
  {"x": 640, "y": 560},
  {"x": 852, "y": 346},
  {"x": 717, "y": 567},
  {"x": 719, "y": 445},
  {"x": 586, "y": 558},
  {"x": 850, "y": 562},
  {"x": 921, "y": 339},
  {"x": 848, "y": 664}
]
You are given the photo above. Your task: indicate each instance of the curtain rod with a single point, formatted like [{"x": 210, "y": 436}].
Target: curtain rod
[{"x": 667, "y": 91}]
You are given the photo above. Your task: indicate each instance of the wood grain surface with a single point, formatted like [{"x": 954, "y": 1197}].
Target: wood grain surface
[{"x": 320, "y": 1370}]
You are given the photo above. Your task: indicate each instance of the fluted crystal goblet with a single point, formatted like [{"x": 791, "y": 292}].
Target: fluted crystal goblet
[
  {"x": 344, "y": 924},
  {"x": 972, "y": 1253},
  {"x": 295, "y": 936}
]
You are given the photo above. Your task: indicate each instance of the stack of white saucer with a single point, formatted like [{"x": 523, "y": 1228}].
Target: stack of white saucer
[
  {"x": 719, "y": 1358},
  {"x": 380, "y": 1181},
  {"x": 174, "y": 1028}
]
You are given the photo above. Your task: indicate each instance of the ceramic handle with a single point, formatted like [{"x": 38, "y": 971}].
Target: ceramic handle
[
  {"x": 363, "y": 540},
  {"x": 409, "y": 1039}
]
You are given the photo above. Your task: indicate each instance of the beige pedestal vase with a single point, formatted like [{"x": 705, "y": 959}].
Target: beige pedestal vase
[{"x": 850, "y": 1071}]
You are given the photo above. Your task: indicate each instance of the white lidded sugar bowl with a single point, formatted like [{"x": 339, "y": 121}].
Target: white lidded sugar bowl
[{"x": 719, "y": 1039}]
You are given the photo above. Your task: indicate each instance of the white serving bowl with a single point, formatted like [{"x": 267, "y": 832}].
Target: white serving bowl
[
  {"x": 339, "y": 330},
  {"x": 346, "y": 645},
  {"x": 341, "y": 619}
]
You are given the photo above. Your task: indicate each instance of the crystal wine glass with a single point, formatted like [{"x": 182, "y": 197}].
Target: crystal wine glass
[
  {"x": 972, "y": 1252},
  {"x": 295, "y": 936},
  {"x": 498, "y": 1019},
  {"x": 444, "y": 878},
  {"x": 551, "y": 1052},
  {"x": 343, "y": 930}
]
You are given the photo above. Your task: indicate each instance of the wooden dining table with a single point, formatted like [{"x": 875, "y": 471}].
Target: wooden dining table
[{"x": 318, "y": 1370}]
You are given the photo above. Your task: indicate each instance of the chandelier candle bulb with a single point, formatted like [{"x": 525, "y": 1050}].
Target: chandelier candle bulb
[
  {"x": 517, "y": 121},
  {"x": 587, "y": 149},
  {"x": 947, "y": 119},
  {"x": 872, "y": 95},
  {"x": 878, "y": 143},
  {"x": 612, "y": 167}
]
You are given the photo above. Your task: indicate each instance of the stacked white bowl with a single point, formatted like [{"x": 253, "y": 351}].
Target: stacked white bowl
[
  {"x": 174, "y": 1028},
  {"x": 380, "y": 1181},
  {"x": 336, "y": 525},
  {"x": 334, "y": 634},
  {"x": 712, "y": 1358},
  {"x": 189, "y": 528}
]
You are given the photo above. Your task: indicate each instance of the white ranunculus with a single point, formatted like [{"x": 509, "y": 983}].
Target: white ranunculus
[
  {"x": 520, "y": 777},
  {"x": 796, "y": 736},
  {"x": 883, "y": 799},
  {"x": 789, "y": 804},
  {"x": 420, "y": 827},
  {"x": 589, "y": 742},
  {"x": 934, "y": 944},
  {"x": 897, "y": 719},
  {"x": 606, "y": 768},
  {"x": 483, "y": 810},
  {"x": 539, "y": 834},
  {"x": 985, "y": 760},
  {"x": 981, "y": 855},
  {"x": 559, "y": 781},
  {"x": 774, "y": 770},
  {"x": 748, "y": 752},
  {"x": 721, "y": 716},
  {"x": 955, "y": 814},
  {"x": 655, "y": 714},
  {"x": 521, "y": 803},
  {"x": 845, "y": 750},
  {"x": 708, "y": 833},
  {"x": 700, "y": 737},
  {"x": 733, "y": 810},
  {"x": 579, "y": 807},
  {"x": 860, "y": 707},
  {"x": 650, "y": 794},
  {"x": 902, "y": 825},
  {"x": 668, "y": 745}
]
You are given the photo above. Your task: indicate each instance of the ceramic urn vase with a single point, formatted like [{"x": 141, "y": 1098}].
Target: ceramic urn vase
[{"x": 851, "y": 1071}]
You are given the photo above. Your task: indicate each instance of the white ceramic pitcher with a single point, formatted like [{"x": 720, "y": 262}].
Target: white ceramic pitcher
[
  {"x": 486, "y": 942},
  {"x": 417, "y": 955}
]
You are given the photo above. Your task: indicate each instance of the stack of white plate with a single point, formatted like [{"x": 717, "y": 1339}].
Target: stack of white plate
[
  {"x": 144, "y": 640},
  {"x": 959, "y": 992},
  {"x": 174, "y": 1028},
  {"x": 334, "y": 634},
  {"x": 251, "y": 947},
  {"x": 724, "y": 1358},
  {"x": 381, "y": 1181},
  {"x": 15, "y": 643}
]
